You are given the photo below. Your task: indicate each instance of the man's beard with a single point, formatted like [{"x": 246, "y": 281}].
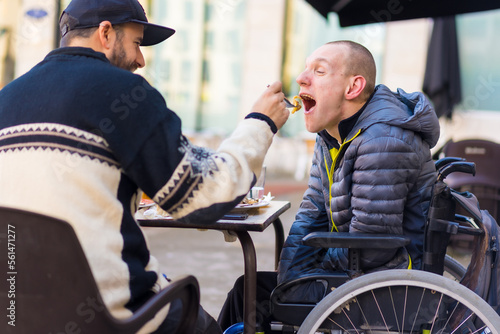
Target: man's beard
[{"x": 119, "y": 58}]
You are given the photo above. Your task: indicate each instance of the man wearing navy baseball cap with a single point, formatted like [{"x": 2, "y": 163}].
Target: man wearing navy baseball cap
[
  {"x": 84, "y": 14},
  {"x": 83, "y": 18},
  {"x": 82, "y": 138}
]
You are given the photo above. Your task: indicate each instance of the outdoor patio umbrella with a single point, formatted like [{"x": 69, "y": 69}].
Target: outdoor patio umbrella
[
  {"x": 442, "y": 73},
  {"x": 355, "y": 12}
]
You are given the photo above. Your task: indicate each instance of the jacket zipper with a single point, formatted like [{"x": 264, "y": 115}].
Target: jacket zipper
[{"x": 335, "y": 154}]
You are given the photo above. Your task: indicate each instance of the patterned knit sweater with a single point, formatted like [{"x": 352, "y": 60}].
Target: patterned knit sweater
[{"x": 81, "y": 139}]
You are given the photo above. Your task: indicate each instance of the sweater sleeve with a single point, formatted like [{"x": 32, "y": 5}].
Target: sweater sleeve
[
  {"x": 207, "y": 184},
  {"x": 194, "y": 183}
]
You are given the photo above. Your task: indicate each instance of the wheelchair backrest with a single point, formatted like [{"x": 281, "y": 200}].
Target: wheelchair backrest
[
  {"x": 485, "y": 184},
  {"x": 445, "y": 219}
]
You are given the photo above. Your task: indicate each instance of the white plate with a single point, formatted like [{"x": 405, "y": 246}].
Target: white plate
[
  {"x": 265, "y": 201},
  {"x": 256, "y": 205}
]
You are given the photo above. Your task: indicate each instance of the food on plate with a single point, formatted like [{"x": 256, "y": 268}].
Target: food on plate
[{"x": 250, "y": 201}]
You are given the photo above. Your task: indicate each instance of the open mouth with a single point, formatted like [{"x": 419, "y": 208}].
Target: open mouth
[{"x": 308, "y": 101}]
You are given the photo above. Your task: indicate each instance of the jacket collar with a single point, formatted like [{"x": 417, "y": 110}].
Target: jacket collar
[
  {"x": 409, "y": 111},
  {"x": 345, "y": 127},
  {"x": 78, "y": 51}
]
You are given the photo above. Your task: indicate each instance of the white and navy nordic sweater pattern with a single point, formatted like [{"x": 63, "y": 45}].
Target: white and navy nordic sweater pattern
[{"x": 81, "y": 139}]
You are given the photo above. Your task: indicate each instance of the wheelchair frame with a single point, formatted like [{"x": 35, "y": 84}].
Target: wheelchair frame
[{"x": 403, "y": 301}]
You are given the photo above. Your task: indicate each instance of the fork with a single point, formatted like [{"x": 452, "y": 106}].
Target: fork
[{"x": 288, "y": 103}]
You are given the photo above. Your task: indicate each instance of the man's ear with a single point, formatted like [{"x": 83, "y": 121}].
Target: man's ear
[
  {"x": 106, "y": 34},
  {"x": 356, "y": 86}
]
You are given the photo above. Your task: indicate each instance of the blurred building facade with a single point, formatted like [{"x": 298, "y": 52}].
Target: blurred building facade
[{"x": 225, "y": 52}]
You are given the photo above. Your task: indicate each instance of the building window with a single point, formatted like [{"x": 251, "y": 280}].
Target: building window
[
  {"x": 188, "y": 11},
  {"x": 209, "y": 40},
  {"x": 236, "y": 74},
  {"x": 183, "y": 40},
  {"x": 232, "y": 42},
  {"x": 206, "y": 71},
  {"x": 479, "y": 65},
  {"x": 208, "y": 12},
  {"x": 165, "y": 71},
  {"x": 186, "y": 71},
  {"x": 162, "y": 7}
]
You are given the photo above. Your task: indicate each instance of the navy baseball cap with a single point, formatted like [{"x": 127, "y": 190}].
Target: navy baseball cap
[{"x": 90, "y": 13}]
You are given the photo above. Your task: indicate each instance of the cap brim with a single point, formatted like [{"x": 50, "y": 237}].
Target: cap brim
[{"x": 154, "y": 34}]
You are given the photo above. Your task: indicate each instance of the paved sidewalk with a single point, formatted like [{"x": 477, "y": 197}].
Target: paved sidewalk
[{"x": 215, "y": 263}]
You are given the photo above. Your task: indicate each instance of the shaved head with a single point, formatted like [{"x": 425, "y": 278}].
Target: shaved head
[{"x": 359, "y": 61}]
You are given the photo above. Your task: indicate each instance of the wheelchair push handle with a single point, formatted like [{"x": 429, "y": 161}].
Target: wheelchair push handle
[
  {"x": 446, "y": 161},
  {"x": 458, "y": 166}
]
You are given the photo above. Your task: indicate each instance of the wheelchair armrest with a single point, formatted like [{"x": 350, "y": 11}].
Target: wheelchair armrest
[
  {"x": 295, "y": 313},
  {"x": 355, "y": 240},
  {"x": 186, "y": 289}
]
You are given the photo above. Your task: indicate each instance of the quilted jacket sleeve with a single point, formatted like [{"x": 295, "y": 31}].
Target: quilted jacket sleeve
[{"x": 312, "y": 216}]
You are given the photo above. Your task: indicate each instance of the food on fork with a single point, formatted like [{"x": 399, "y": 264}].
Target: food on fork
[
  {"x": 295, "y": 105},
  {"x": 297, "y": 102}
]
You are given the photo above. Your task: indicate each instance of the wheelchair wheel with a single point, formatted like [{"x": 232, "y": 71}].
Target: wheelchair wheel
[
  {"x": 235, "y": 329},
  {"x": 401, "y": 301},
  {"x": 453, "y": 269}
]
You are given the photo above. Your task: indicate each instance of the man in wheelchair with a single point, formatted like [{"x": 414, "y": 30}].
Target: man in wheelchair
[{"x": 371, "y": 172}]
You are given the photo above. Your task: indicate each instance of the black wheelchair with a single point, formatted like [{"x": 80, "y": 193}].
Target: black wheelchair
[{"x": 437, "y": 299}]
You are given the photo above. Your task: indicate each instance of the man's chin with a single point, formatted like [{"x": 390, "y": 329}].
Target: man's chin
[
  {"x": 312, "y": 129},
  {"x": 129, "y": 68}
]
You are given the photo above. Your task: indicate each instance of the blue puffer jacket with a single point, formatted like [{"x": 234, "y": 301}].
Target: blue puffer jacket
[{"x": 381, "y": 183}]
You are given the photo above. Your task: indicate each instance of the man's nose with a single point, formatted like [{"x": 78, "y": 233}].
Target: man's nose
[
  {"x": 140, "y": 60},
  {"x": 302, "y": 79}
]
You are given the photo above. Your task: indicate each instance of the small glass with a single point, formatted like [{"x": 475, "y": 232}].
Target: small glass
[{"x": 257, "y": 191}]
